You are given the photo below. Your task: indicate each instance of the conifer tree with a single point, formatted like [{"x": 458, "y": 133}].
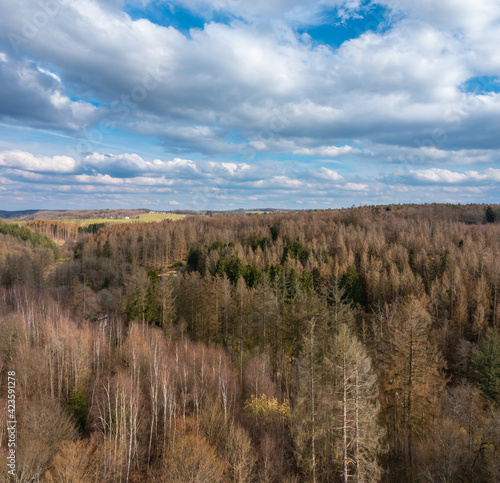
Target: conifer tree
[{"x": 413, "y": 377}]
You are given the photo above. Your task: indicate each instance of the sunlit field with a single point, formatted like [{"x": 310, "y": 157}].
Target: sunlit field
[{"x": 142, "y": 218}]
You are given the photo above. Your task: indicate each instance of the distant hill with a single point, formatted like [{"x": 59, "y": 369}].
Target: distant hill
[
  {"x": 17, "y": 214},
  {"x": 62, "y": 215}
]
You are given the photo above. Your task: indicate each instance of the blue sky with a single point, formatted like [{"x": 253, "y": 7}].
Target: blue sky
[{"x": 224, "y": 104}]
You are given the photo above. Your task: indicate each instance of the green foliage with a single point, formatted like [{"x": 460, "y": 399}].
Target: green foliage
[
  {"x": 352, "y": 285},
  {"x": 485, "y": 365},
  {"x": 490, "y": 215},
  {"x": 152, "y": 304},
  {"x": 307, "y": 281},
  {"x": 234, "y": 269},
  {"x": 275, "y": 272},
  {"x": 321, "y": 255},
  {"x": 25, "y": 234},
  {"x": 106, "y": 249},
  {"x": 194, "y": 258},
  {"x": 77, "y": 254},
  {"x": 294, "y": 250},
  {"x": 153, "y": 276},
  {"x": 251, "y": 276},
  {"x": 261, "y": 242},
  {"x": 316, "y": 279},
  {"x": 91, "y": 228},
  {"x": 292, "y": 285},
  {"x": 78, "y": 408},
  {"x": 135, "y": 304},
  {"x": 221, "y": 267},
  {"x": 218, "y": 245},
  {"x": 274, "y": 229}
]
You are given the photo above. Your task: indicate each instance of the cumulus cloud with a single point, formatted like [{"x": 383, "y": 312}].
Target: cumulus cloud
[
  {"x": 268, "y": 84},
  {"x": 41, "y": 164},
  {"x": 445, "y": 176},
  {"x": 127, "y": 165},
  {"x": 329, "y": 174},
  {"x": 130, "y": 173},
  {"x": 231, "y": 99},
  {"x": 34, "y": 96},
  {"x": 476, "y": 21}
]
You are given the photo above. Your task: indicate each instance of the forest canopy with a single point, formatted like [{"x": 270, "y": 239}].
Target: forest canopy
[{"x": 340, "y": 345}]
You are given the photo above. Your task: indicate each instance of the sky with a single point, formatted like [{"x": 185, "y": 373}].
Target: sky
[{"x": 226, "y": 104}]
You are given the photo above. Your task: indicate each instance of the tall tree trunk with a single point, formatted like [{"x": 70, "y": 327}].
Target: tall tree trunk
[
  {"x": 344, "y": 419},
  {"x": 356, "y": 422},
  {"x": 313, "y": 422}
]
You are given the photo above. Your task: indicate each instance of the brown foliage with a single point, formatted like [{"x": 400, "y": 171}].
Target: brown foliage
[{"x": 193, "y": 460}]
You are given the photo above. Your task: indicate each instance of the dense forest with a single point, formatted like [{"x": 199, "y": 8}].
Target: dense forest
[{"x": 325, "y": 346}]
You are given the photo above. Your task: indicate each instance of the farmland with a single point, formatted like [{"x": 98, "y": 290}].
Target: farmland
[
  {"x": 112, "y": 219},
  {"x": 142, "y": 218}
]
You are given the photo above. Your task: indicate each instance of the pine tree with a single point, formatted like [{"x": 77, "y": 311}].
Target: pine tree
[
  {"x": 490, "y": 215},
  {"x": 305, "y": 417},
  {"x": 485, "y": 365},
  {"x": 413, "y": 377}
]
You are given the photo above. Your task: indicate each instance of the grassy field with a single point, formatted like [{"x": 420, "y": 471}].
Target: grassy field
[
  {"x": 159, "y": 217},
  {"x": 142, "y": 218}
]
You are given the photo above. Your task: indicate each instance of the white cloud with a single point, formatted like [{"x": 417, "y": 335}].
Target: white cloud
[
  {"x": 329, "y": 174},
  {"x": 268, "y": 84},
  {"x": 293, "y": 11},
  {"x": 43, "y": 164},
  {"x": 328, "y": 151},
  {"x": 354, "y": 187},
  {"x": 234, "y": 94},
  {"x": 437, "y": 175},
  {"x": 278, "y": 182}
]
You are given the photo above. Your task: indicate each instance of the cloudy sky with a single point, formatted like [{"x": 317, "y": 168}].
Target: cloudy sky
[{"x": 221, "y": 104}]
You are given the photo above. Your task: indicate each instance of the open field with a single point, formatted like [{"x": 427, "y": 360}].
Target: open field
[
  {"x": 159, "y": 217},
  {"x": 142, "y": 218}
]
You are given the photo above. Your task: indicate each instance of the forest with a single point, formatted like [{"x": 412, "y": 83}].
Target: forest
[{"x": 350, "y": 345}]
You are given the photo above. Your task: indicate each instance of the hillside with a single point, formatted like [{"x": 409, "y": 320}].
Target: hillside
[{"x": 277, "y": 347}]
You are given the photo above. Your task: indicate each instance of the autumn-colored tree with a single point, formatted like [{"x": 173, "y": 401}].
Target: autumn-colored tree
[
  {"x": 356, "y": 408},
  {"x": 193, "y": 460},
  {"x": 413, "y": 378}
]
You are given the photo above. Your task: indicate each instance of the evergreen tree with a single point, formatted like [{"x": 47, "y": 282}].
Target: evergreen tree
[
  {"x": 485, "y": 365},
  {"x": 352, "y": 285},
  {"x": 490, "y": 215},
  {"x": 106, "y": 249}
]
